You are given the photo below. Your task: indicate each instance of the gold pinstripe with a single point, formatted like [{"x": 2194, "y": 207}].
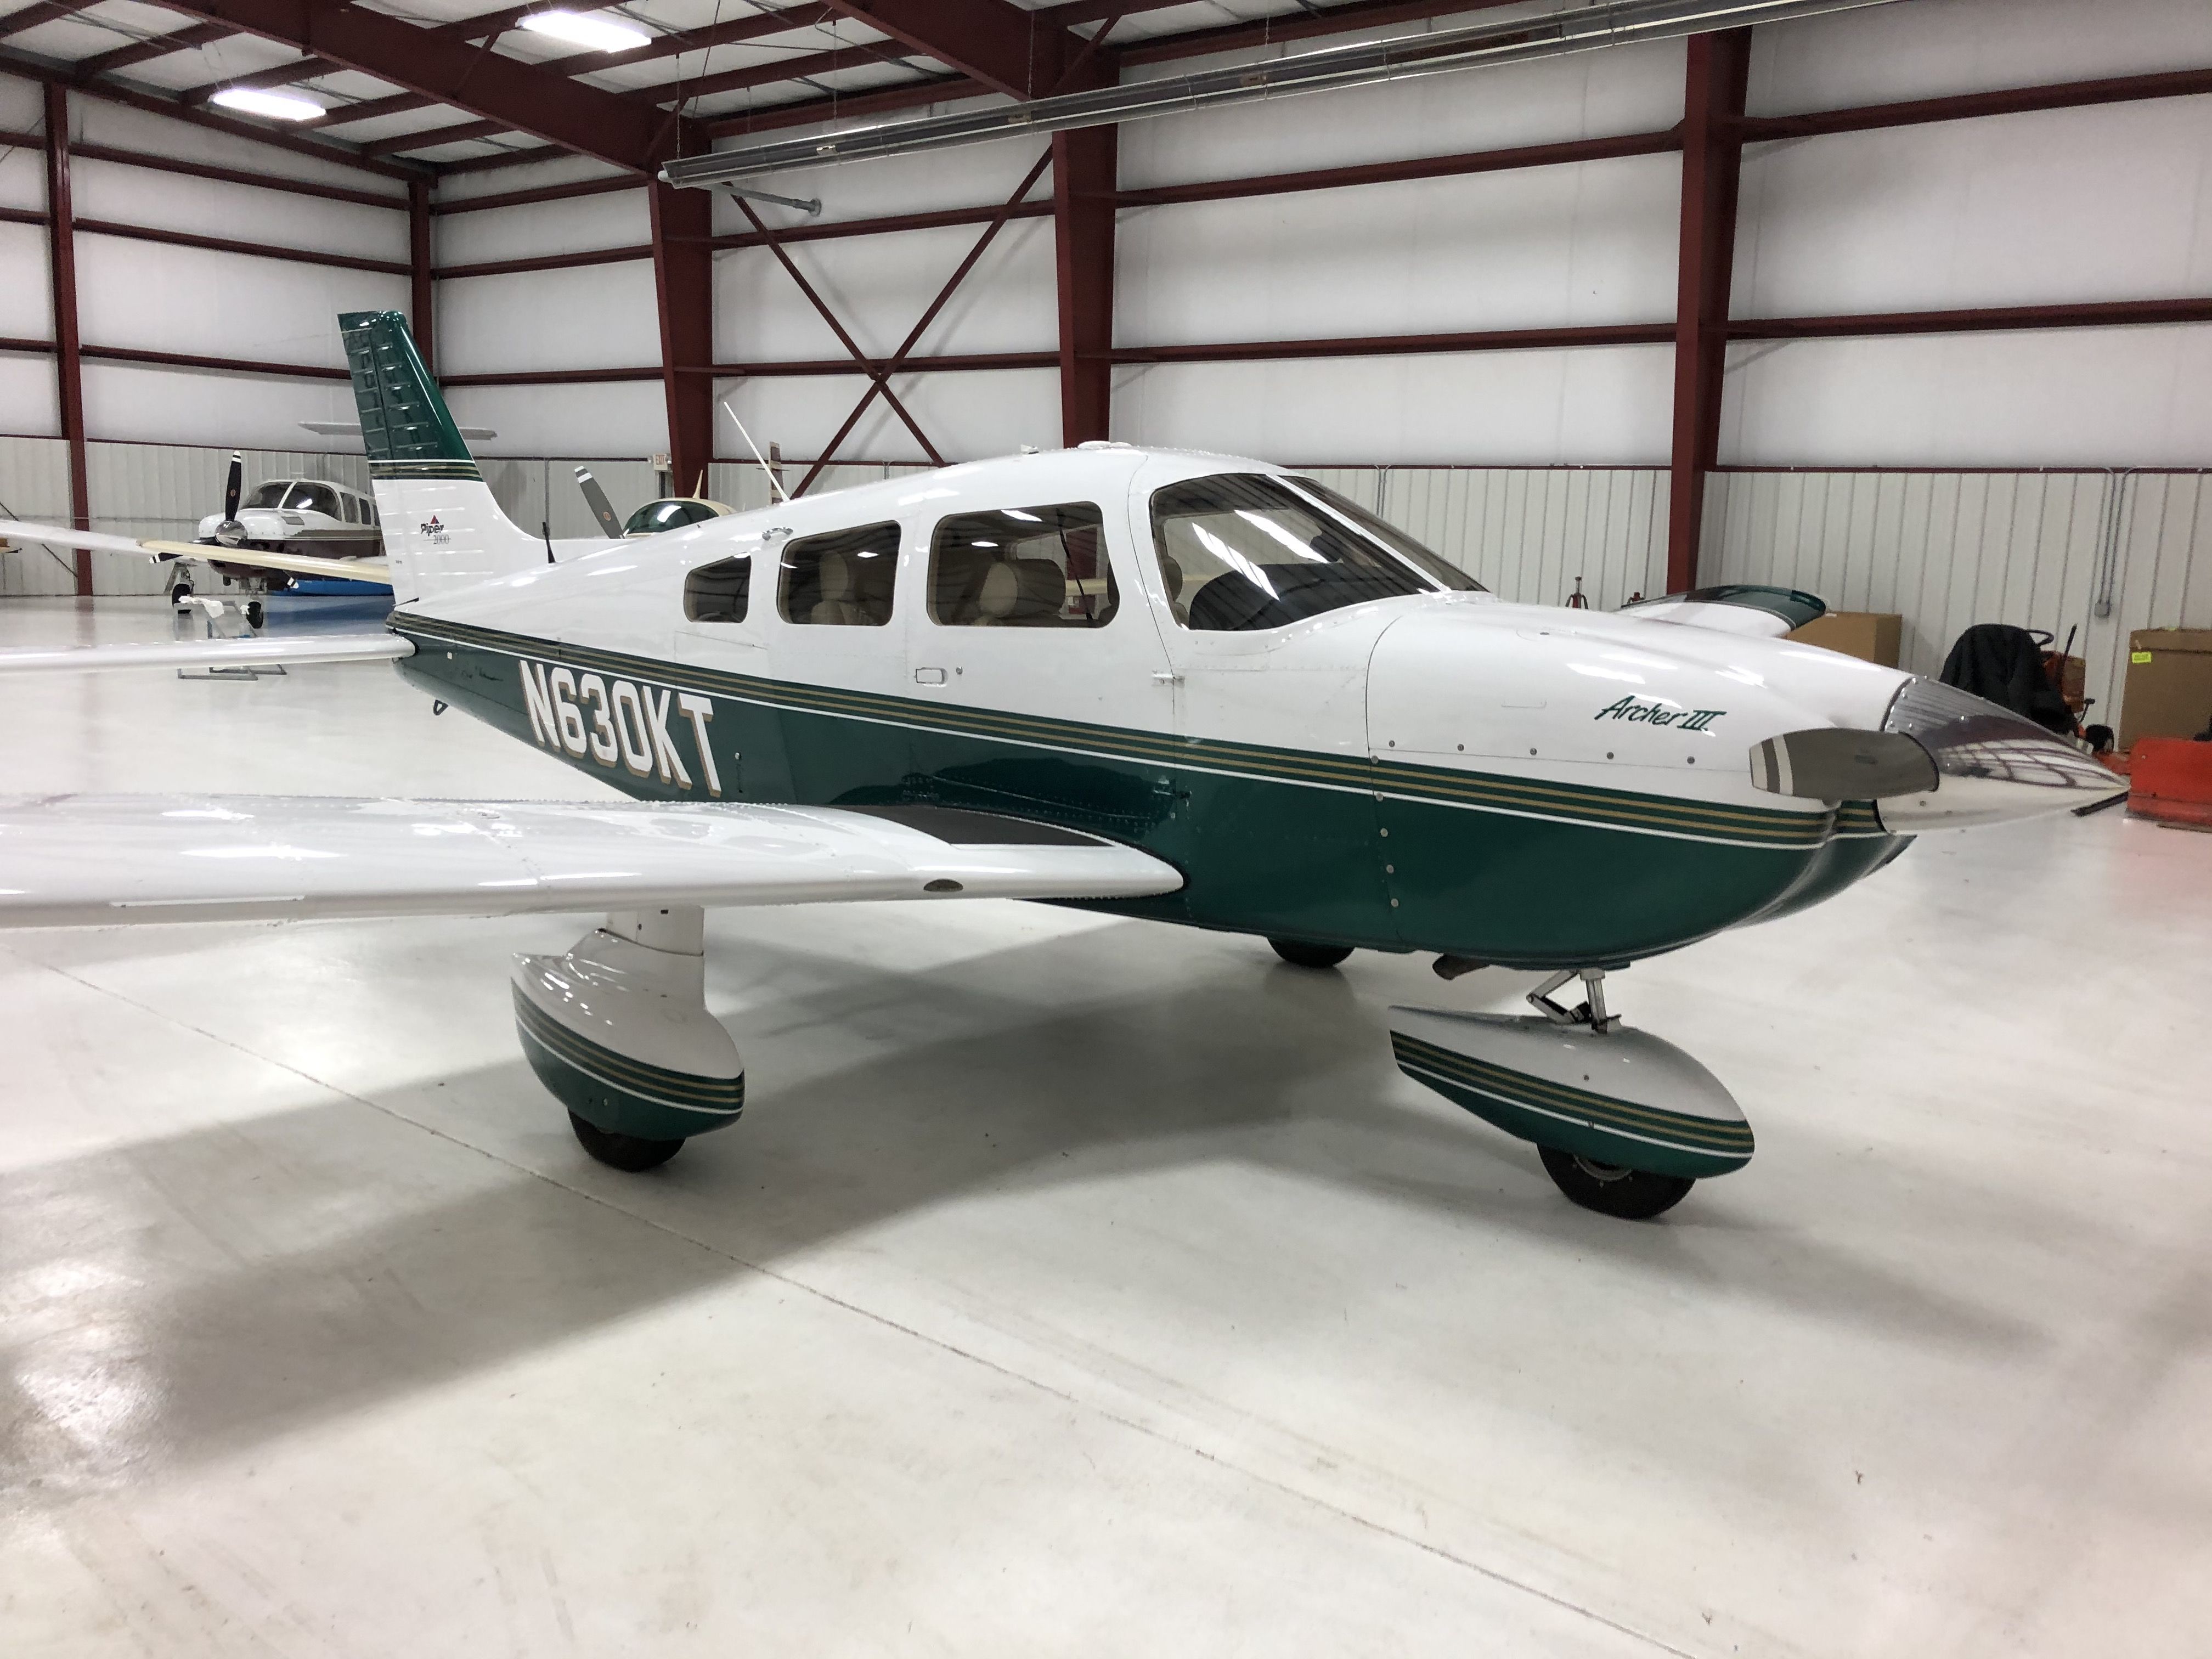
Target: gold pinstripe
[
  {"x": 1714, "y": 821},
  {"x": 620, "y": 1071},
  {"x": 1692, "y": 1133}
]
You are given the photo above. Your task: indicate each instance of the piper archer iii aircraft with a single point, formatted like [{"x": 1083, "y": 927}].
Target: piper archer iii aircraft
[{"x": 1261, "y": 708}]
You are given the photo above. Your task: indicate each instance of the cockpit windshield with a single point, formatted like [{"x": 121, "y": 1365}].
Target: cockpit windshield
[
  {"x": 268, "y": 494},
  {"x": 1242, "y": 551}
]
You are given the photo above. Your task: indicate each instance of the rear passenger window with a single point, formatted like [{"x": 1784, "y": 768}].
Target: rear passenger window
[
  {"x": 718, "y": 592},
  {"x": 840, "y": 580},
  {"x": 1022, "y": 567}
]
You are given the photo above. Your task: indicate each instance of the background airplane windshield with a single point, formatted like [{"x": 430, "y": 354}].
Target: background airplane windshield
[
  {"x": 1241, "y": 551},
  {"x": 268, "y": 494}
]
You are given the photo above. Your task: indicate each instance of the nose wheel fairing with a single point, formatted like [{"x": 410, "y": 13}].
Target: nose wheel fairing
[{"x": 1618, "y": 1098}]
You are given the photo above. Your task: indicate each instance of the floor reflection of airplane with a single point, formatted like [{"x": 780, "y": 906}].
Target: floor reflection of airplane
[{"x": 1167, "y": 685}]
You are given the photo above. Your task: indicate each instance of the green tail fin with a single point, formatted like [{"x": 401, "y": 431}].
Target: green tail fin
[{"x": 406, "y": 427}]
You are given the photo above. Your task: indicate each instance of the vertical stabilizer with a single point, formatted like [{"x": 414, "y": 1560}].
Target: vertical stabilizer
[{"x": 442, "y": 530}]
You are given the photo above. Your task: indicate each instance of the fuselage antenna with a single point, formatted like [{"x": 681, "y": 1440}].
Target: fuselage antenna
[{"x": 777, "y": 492}]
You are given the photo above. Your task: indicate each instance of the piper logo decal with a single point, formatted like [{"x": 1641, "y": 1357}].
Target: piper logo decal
[
  {"x": 617, "y": 722},
  {"x": 1650, "y": 714},
  {"x": 432, "y": 531}
]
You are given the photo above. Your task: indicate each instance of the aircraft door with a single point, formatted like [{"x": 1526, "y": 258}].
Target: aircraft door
[
  {"x": 722, "y": 629},
  {"x": 1043, "y": 667}
]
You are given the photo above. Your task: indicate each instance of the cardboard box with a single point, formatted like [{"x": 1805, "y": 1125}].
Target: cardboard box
[
  {"x": 2168, "y": 689},
  {"x": 1869, "y": 635}
]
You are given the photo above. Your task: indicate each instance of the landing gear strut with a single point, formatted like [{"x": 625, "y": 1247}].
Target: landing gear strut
[{"x": 1626, "y": 1123}]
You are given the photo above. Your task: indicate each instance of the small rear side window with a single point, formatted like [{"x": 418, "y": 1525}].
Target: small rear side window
[
  {"x": 720, "y": 592},
  {"x": 842, "y": 579}
]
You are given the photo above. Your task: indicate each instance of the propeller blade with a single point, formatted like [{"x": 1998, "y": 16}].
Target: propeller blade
[
  {"x": 235, "y": 484},
  {"x": 1833, "y": 763},
  {"x": 596, "y": 498}
]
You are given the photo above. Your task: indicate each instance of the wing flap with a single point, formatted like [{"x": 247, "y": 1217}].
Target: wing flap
[
  {"x": 258, "y": 653},
  {"x": 89, "y": 860}
]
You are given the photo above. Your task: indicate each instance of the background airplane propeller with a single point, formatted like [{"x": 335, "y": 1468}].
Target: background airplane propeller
[
  {"x": 230, "y": 532},
  {"x": 596, "y": 498}
]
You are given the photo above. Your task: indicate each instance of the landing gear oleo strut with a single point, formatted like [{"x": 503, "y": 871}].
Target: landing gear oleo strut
[{"x": 1625, "y": 1122}]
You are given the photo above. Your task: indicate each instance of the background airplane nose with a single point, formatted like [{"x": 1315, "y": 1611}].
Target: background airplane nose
[{"x": 1991, "y": 766}]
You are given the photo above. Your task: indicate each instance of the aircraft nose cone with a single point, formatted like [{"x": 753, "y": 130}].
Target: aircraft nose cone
[{"x": 1991, "y": 765}]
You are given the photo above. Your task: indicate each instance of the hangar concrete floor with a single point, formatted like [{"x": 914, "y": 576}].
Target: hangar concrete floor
[{"x": 1083, "y": 1286}]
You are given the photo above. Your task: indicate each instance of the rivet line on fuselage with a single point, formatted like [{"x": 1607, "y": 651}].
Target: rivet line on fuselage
[{"x": 1609, "y": 808}]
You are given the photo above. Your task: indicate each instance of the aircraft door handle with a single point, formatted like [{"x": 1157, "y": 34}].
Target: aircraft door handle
[{"x": 1165, "y": 678}]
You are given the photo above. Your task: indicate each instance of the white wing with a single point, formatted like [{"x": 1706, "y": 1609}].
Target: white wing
[
  {"x": 298, "y": 564},
  {"x": 293, "y": 648},
  {"x": 93, "y": 861}
]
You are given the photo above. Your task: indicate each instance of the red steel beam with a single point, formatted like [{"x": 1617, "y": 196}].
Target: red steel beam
[
  {"x": 19, "y": 22},
  {"x": 141, "y": 51},
  {"x": 993, "y": 41},
  {"x": 1400, "y": 345},
  {"x": 1425, "y": 166},
  {"x": 597, "y": 256},
  {"x": 227, "y": 245},
  {"x": 1271, "y": 31},
  {"x": 584, "y": 119},
  {"x": 542, "y": 193},
  {"x": 69, "y": 358},
  {"x": 1719, "y": 67},
  {"x": 683, "y": 284},
  {"x": 799, "y": 112},
  {"x": 236, "y": 176},
  {"x": 422, "y": 298},
  {"x": 1085, "y": 165},
  {"x": 431, "y": 137},
  {"x": 2012, "y": 100},
  {"x": 220, "y": 365},
  {"x": 1975, "y": 320}
]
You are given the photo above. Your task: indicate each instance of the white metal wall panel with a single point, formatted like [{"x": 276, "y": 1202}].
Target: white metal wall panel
[
  {"x": 572, "y": 225},
  {"x": 1604, "y": 405},
  {"x": 501, "y": 181},
  {"x": 1535, "y": 248},
  {"x": 626, "y": 417},
  {"x": 133, "y": 402},
  {"x": 34, "y": 484},
  {"x": 22, "y": 172},
  {"x": 2058, "y": 206},
  {"x": 94, "y": 121},
  {"x": 2138, "y": 397},
  {"x": 1588, "y": 95},
  {"x": 27, "y": 297},
  {"x": 1530, "y": 534},
  {"x": 30, "y": 399},
  {"x": 208, "y": 304},
  {"x": 879, "y": 286},
  {"x": 210, "y": 207},
  {"x": 2100, "y": 554},
  {"x": 586, "y": 317},
  {"x": 1888, "y": 53}
]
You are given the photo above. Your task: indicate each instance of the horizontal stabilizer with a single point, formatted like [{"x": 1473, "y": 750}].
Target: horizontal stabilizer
[
  {"x": 293, "y": 650},
  {"x": 91, "y": 861}
]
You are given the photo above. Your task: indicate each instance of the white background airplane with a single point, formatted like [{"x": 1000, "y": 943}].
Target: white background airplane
[{"x": 1185, "y": 687}]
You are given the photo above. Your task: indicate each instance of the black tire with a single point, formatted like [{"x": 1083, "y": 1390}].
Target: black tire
[
  {"x": 1613, "y": 1190},
  {"x": 1299, "y": 954},
  {"x": 631, "y": 1153}
]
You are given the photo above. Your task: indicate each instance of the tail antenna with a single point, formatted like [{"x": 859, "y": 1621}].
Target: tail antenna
[{"x": 777, "y": 492}]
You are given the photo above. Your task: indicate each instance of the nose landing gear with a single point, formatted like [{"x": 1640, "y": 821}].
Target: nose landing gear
[{"x": 1626, "y": 1123}]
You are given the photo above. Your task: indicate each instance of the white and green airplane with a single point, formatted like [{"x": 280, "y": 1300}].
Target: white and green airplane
[{"x": 1260, "y": 709}]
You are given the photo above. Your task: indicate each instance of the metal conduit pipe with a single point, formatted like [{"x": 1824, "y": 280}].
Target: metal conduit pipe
[{"x": 1585, "y": 28}]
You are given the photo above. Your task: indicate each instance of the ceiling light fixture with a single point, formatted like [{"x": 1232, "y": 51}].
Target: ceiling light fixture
[
  {"x": 598, "y": 33},
  {"x": 276, "y": 106}
]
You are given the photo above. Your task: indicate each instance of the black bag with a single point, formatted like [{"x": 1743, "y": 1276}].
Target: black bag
[{"x": 2005, "y": 664}]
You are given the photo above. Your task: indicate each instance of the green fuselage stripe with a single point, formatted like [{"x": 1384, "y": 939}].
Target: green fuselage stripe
[{"x": 1545, "y": 798}]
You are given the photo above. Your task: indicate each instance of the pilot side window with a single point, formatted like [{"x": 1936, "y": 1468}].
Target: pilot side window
[
  {"x": 1243, "y": 551},
  {"x": 314, "y": 498},
  {"x": 842, "y": 579},
  {"x": 720, "y": 592},
  {"x": 1022, "y": 567}
]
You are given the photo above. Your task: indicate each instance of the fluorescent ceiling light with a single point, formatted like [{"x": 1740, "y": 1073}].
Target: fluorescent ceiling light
[
  {"x": 599, "y": 33},
  {"x": 276, "y": 106}
]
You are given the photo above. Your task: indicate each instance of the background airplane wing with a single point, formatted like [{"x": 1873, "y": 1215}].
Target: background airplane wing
[
  {"x": 255, "y": 653},
  {"x": 297, "y": 564},
  {"x": 93, "y": 861}
]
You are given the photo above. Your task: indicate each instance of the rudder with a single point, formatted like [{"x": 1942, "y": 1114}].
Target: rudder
[{"x": 442, "y": 529}]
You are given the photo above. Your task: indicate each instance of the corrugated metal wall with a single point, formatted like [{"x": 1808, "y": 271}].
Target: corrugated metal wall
[{"x": 2100, "y": 554}]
